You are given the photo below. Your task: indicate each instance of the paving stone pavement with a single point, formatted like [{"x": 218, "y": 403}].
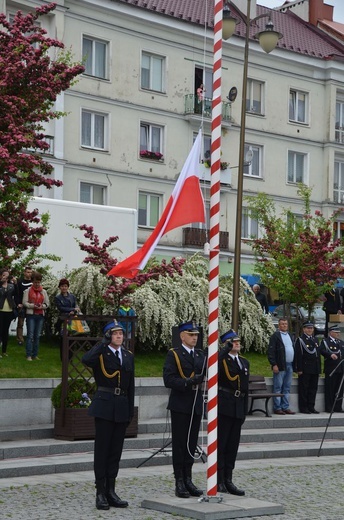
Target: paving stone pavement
[{"x": 309, "y": 489}]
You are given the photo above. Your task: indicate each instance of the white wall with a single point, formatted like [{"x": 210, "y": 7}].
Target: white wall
[{"x": 106, "y": 220}]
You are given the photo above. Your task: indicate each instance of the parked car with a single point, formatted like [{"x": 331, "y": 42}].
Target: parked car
[{"x": 318, "y": 317}]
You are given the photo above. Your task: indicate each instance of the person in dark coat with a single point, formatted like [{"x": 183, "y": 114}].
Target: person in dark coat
[
  {"x": 332, "y": 348},
  {"x": 22, "y": 284},
  {"x": 112, "y": 407},
  {"x": 281, "y": 358},
  {"x": 183, "y": 373},
  {"x": 233, "y": 379},
  {"x": 261, "y": 298},
  {"x": 307, "y": 367},
  {"x": 332, "y": 305}
]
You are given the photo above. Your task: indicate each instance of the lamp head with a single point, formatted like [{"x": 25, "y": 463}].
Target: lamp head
[
  {"x": 228, "y": 22},
  {"x": 268, "y": 39}
]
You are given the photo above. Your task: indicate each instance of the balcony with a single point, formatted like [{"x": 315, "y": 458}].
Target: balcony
[
  {"x": 196, "y": 237},
  {"x": 339, "y": 134},
  {"x": 194, "y": 108},
  {"x": 205, "y": 174}
]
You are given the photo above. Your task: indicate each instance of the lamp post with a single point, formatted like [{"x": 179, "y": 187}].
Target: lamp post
[{"x": 268, "y": 40}]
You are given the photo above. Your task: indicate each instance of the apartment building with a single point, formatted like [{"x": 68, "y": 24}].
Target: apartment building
[{"x": 133, "y": 115}]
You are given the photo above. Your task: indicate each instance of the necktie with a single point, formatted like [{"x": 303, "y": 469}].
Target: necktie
[
  {"x": 191, "y": 354},
  {"x": 117, "y": 356},
  {"x": 236, "y": 359}
]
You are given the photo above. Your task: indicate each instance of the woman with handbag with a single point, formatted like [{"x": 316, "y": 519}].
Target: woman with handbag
[
  {"x": 7, "y": 308},
  {"x": 36, "y": 302}
]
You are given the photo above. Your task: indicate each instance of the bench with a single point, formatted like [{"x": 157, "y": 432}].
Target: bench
[{"x": 257, "y": 390}]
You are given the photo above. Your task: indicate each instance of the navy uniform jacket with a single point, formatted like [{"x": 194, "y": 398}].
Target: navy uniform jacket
[
  {"x": 228, "y": 403},
  {"x": 329, "y": 346},
  {"x": 307, "y": 358},
  {"x": 182, "y": 396},
  {"x": 106, "y": 405}
]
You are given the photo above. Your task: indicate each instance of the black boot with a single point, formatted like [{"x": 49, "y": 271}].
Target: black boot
[
  {"x": 231, "y": 488},
  {"x": 101, "y": 500},
  {"x": 190, "y": 486},
  {"x": 112, "y": 498},
  {"x": 221, "y": 487},
  {"x": 181, "y": 490}
]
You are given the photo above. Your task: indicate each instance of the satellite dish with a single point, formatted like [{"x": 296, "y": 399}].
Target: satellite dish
[{"x": 232, "y": 94}]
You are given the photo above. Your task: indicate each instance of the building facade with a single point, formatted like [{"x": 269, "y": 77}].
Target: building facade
[{"x": 133, "y": 115}]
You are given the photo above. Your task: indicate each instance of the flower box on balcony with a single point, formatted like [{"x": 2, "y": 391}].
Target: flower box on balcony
[{"x": 147, "y": 154}]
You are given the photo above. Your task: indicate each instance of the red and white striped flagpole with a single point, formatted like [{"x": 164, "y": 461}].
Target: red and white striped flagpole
[{"x": 214, "y": 252}]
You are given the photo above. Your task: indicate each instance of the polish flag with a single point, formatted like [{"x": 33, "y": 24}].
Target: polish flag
[{"x": 185, "y": 205}]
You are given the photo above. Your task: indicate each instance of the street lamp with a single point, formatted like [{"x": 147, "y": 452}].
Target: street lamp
[{"x": 268, "y": 40}]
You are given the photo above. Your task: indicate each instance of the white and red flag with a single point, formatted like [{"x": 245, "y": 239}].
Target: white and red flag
[{"x": 186, "y": 205}]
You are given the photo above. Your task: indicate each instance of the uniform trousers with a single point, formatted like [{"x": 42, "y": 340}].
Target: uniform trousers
[
  {"x": 184, "y": 441},
  {"x": 308, "y": 386},
  {"x": 108, "y": 446},
  {"x": 229, "y": 431},
  {"x": 331, "y": 385}
]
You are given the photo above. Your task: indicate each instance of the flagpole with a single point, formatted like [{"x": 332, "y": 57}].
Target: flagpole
[{"x": 214, "y": 252}]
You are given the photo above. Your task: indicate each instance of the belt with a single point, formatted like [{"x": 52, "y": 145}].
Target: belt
[
  {"x": 236, "y": 393},
  {"x": 114, "y": 391}
]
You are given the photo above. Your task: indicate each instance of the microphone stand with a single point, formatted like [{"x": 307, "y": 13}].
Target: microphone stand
[{"x": 334, "y": 403}]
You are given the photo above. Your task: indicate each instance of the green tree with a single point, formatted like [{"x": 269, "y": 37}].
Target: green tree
[{"x": 297, "y": 257}]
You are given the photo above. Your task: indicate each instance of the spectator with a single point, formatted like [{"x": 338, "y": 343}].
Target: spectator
[
  {"x": 183, "y": 373},
  {"x": 332, "y": 348},
  {"x": 66, "y": 304},
  {"x": 332, "y": 305},
  {"x": 281, "y": 357},
  {"x": 233, "y": 376},
  {"x": 7, "y": 308},
  {"x": 36, "y": 302},
  {"x": 307, "y": 367},
  {"x": 261, "y": 298},
  {"x": 125, "y": 309},
  {"x": 113, "y": 409},
  {"x": 23, "y": 283}
]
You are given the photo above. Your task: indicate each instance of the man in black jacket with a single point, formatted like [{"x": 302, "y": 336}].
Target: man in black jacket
[
  {"x": 308, "y": 367},
  {"x": 281, "y": 357},
  {"x": 183, "y": 374},
  {"x": 113, "y": 408},
  {"x": 332, "y": 348},
  {"x": 233, "y": 378}
]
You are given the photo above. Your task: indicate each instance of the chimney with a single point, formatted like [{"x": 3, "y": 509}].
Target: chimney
[{"x": 319, "y": 11}]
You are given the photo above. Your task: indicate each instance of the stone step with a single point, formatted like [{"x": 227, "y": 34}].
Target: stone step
[
  {"x": 83, "y": 461},
  {"x": 34, "y": 451}
]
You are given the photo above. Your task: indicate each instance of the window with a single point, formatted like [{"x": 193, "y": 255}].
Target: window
[
  {"x": 92, "y": 193},
  {"x": 152, "y": 72},
  {"x": 94, "y": 130},
  {"x": 338, "y": 230},
  {"x": 298, "y": 106},
  {"x": 339, "y": 134},
  {"x": 254, "y": 99},
  {"x": 149, "y": 209},
  {"x": 95, "y": 53},
  {"x": 151, "y": 138},
  {"x": 249, "y": 226},
  {"x": 294, "y": 220},
  {"x": 338, "y": 184},
  {"x": 254, "y": 168},
  {"x": 296, "y": 167}
]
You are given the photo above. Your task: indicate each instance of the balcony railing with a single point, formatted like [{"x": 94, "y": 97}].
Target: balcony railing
[
  {"x": 194, "y": 107},
  {"x": 339, "y": 134},
  {"x": 198, "y": 237}
]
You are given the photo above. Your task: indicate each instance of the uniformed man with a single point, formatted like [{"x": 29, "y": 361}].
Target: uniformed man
[
  {"x": 307, "y": 367},
  {"x": 113, "y": 408},
  {"x": 332, "y": 348},
  {"x": 233, "y": 379},
  {"x": 183, "y": 374}
]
